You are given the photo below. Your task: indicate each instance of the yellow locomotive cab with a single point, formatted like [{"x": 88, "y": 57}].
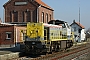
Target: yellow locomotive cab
[{"x": 35, "y": 30}]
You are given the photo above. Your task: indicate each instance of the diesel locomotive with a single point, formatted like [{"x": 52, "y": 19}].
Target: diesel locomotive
[{"x": 42, "y": 37}]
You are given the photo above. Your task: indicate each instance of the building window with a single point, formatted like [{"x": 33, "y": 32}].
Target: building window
[
  {"x": 10, "y": 16},
  {"x": 0, "y": 35},
  {"x": 46, "y": 17},
  {"x": 74, "y": 28},
  {"x": 8, "y": 35},
  {"x": 28, "y": 16},
  {"x": 15, "y": 17},
  {"x": 20, "y": 3},
  {"x": 50, "y": 16},
  {"x": 23, "y": 16},
  {"x": 43, "y": 17}
]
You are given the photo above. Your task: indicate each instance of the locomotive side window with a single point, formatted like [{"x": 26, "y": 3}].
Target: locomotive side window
[
  {"x": 51, "y": 33},
  {"x": 68, "y": 26}
]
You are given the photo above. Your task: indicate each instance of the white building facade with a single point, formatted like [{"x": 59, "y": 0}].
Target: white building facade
[{"x": 79, "y": 32}]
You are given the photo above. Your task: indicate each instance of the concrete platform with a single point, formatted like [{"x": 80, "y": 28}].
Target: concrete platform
[
  {"x": 9, "y": 53},
  {"x": 9, "y": 56},
  {"x": 81, "y": 43}
]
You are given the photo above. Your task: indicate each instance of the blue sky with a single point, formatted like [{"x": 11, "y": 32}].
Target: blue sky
[{"x": 66, "y": 10}]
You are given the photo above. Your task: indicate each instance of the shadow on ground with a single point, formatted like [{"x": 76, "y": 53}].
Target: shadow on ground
[{"x": 11, "y": 49}]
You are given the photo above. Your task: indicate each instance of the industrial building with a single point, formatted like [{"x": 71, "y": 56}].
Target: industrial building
[{"x": 17, "y": 14}]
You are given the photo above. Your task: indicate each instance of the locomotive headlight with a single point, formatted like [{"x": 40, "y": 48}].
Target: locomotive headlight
[
  {"x": 31, "y": 32},
  {"x": 33, "y": 42}
]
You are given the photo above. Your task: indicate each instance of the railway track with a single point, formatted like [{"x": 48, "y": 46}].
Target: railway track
[{"x": 72, "y": 53}]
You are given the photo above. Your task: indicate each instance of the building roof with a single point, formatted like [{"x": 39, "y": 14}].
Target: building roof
[
  {"x": 5, "y": 24},
  {"x": 43, "y": 4},
  {"x": 38, "y": 1},
  {"x": 78, "y": 24},
  {"x": 13, "y": 24}
]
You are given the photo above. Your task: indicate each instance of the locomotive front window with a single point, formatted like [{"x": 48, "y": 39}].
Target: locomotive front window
[{"x": 63, "y": 25}]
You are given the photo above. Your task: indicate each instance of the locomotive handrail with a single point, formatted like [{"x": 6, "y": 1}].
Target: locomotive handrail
[
  {"x": 22, "y": 35},
  {"x": 45, "y": 34}
]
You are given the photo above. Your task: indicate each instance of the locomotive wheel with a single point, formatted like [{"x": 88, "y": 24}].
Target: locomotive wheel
[
  {"x": 56, "y": 48},
  {"x": 51, "y": 50}
]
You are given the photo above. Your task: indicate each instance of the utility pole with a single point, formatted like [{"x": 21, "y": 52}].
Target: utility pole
[
  {"x": 79, "y": 24},
  {"x": 79, "y": 11}
]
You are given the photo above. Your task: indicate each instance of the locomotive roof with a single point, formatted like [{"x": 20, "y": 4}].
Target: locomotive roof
[
  {"x": 51, "y": 25},
  {"x": 56, "y": 22}
]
